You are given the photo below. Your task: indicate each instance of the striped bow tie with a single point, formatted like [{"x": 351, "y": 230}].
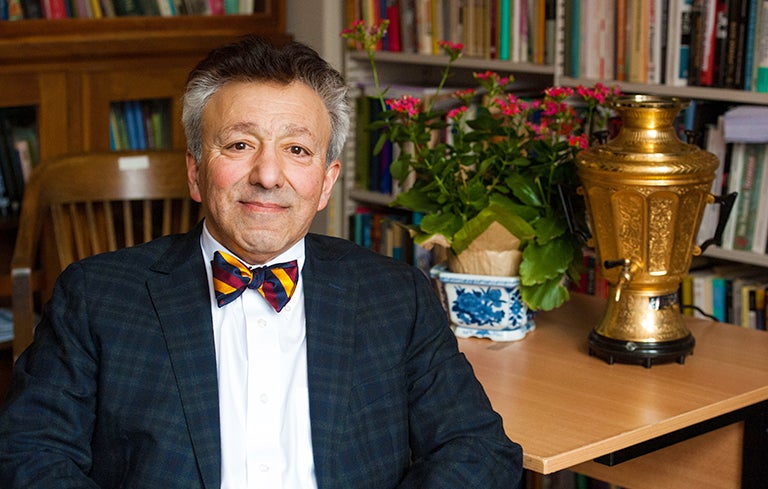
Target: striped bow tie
[{"x": 230, "y": 278}]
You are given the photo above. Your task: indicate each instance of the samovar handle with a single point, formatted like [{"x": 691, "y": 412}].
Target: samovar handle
[{"x": 726, "y": 202}]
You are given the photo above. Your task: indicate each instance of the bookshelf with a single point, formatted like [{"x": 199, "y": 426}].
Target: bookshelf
[
  {"x": 422, "y": 69},
  {"x": 70, "y": 71},
  {"x": 691, "y": 91}
]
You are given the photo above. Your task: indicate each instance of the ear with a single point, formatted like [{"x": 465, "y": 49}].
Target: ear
[
  {"x": 331, "y": 175},
  {"x": 193, "y": 171}
]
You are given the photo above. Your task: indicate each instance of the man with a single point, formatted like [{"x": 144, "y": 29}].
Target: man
[{"x": 151, "y": 368}]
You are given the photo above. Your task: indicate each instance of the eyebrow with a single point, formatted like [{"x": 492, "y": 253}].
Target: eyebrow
[{"x": 286, "y": 130}]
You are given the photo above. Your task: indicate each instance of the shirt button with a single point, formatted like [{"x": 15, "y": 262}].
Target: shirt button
[
  {"x": 264, "y": 468},
  {"x": 264, "y": 398},
  {"x": 261, "y": 323}
]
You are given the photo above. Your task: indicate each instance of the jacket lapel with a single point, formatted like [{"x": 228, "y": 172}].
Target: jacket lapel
[
  {"x": 327, "y": 297},
  {"x": 181, "y": 298}
]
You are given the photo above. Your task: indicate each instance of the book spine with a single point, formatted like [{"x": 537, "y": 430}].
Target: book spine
[
  {"x": 637, "y": 58},
  {"x": 505, "y": 18},
  {"x": 744, "y": 217},
  {"x": 743, "y": 45},
  {"x": 760, "y": 236},
  {"x": 749, "y": 45},
  {"x": 620, "y": 50},
  {"x": 394, "y": 35},
  {"x": 761, "y": 53}
]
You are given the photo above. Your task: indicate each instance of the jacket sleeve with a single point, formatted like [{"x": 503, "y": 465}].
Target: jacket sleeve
[
  {"x": 47, "y": 419},
  {"x": 457, "y": 440}
]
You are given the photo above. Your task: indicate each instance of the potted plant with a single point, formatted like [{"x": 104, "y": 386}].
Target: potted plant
[{"x": 490, "y": 188}]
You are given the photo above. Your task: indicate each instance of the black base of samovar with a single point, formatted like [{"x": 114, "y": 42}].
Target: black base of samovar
[{"x": 645, "y": 353}]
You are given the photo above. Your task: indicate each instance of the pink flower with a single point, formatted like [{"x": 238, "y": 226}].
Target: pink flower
[
  {"x": 558, "y": 92},
  {"x": 453, "y": 50},
  {"x": 464, "y": 94},
  {"x": 405, "y": 105},
  {"x": 457, "y": 112},
  {"x": 578, "y": 141}
]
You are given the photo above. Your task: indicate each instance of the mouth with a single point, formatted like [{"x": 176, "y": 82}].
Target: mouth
[{"x": 261, "y": 206}]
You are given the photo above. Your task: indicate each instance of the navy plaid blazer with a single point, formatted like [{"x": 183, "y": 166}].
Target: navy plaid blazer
[{"x": 119, "y": 388}]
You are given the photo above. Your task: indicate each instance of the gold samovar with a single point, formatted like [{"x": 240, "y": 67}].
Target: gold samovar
[{"x": 645, "y": 192}]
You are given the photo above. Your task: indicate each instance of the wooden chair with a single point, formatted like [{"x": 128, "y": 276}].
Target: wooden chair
[{"x": 81, "y": 205}]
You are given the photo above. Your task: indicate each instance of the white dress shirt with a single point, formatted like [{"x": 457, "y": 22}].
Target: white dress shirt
[{"x": 263, "y": 395}]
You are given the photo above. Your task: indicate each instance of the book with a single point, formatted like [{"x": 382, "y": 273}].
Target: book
[
  {"x": 753, "y": 305},
  {"x": 745, "y": 124},
  {"x": 54, "y": 9},
  {"x": 760, "y": 235},
  {"x": 686, "y": 295},
  {"x": 761, "y": 50},
  {"x": 736, "y": 40},
  {"x": 723, "y": 13},
  {"x": 589, "y": 39},
  {"x": 655, "y": 29},
  {"x": 735, "y": 173},
  {"x": 701, "y": 281},
  {"x": 746, "y": 208},
  {"x": 6, "y": 324},
  {"x": 572, "y": 36},
  {"x": 505, "y": 36},
  {"x": 637, "y": 45},
  {"x": 606, "y": 45},
  {"x": 749, "y": 44},
  {"x": 32, "y": 9},
  {"x": 716, "y": 145},
  {"x": 695, "y": 44},
  {"x": 738, "y": 285},
  {"x": 392, "y": 8},
  {"x": 706, "y": 39},
  {"x": 677, "y": 70},
  {"x": 124, "y": 8},
  {"x": 620, "y": 46},
  {"x": 424, "y": 28}
]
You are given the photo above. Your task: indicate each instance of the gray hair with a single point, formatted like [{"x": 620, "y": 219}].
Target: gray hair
[{"x": 253, "y": 59}]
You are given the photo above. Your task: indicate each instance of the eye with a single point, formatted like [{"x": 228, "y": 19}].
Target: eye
[
  {"x": 239, "y": 146},
  {"x": 298, "y": 150}
]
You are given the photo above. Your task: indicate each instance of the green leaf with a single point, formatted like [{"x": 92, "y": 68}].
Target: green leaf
[
  {"x": 524, "y": 189},
  {"x": 549, "y": 228},
  {"x": 400, "y": 168},
  {"x": 415, "y": 200},
  {"x": 545, "y": 262},
  {"x": 511, "y": 207},
  {"x": 445, "y": 224},
  {"x": 495, "y": 212},
  {"x": 546, "y": 296}
]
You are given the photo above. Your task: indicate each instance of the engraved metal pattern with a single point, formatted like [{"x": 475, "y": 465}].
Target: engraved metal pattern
[{"x": 645, "y": 192}]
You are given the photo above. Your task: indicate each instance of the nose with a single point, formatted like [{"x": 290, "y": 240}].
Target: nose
[{"x": 266, "y": 169}]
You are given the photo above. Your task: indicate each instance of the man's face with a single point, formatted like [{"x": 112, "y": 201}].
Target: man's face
[{"x": 263, "y": 175}]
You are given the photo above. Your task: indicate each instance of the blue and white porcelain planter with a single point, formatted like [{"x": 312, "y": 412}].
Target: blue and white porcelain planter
[{"x": 484, "y": 306}]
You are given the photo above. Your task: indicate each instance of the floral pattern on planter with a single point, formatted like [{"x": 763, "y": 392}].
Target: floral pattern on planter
[{"x": 484, "y": 306}]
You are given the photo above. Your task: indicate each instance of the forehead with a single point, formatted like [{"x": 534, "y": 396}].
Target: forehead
[
  {"x": 266, "y": 110},
  {"x": 238, "y": 99}
]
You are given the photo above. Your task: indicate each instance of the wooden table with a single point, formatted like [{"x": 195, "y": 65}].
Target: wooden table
[{"x": 568, "y": 409}]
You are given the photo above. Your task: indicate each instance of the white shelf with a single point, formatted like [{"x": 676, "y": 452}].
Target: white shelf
[
  {"x": 698, "y": 93},
  {"x": 462, "y": 63},
  {"x": 370, "y": 197},
  {"x": 748, "y": 257}
]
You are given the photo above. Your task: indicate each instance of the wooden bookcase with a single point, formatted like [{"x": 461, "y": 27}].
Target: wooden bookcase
[{"x": 70, "y": 71}]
